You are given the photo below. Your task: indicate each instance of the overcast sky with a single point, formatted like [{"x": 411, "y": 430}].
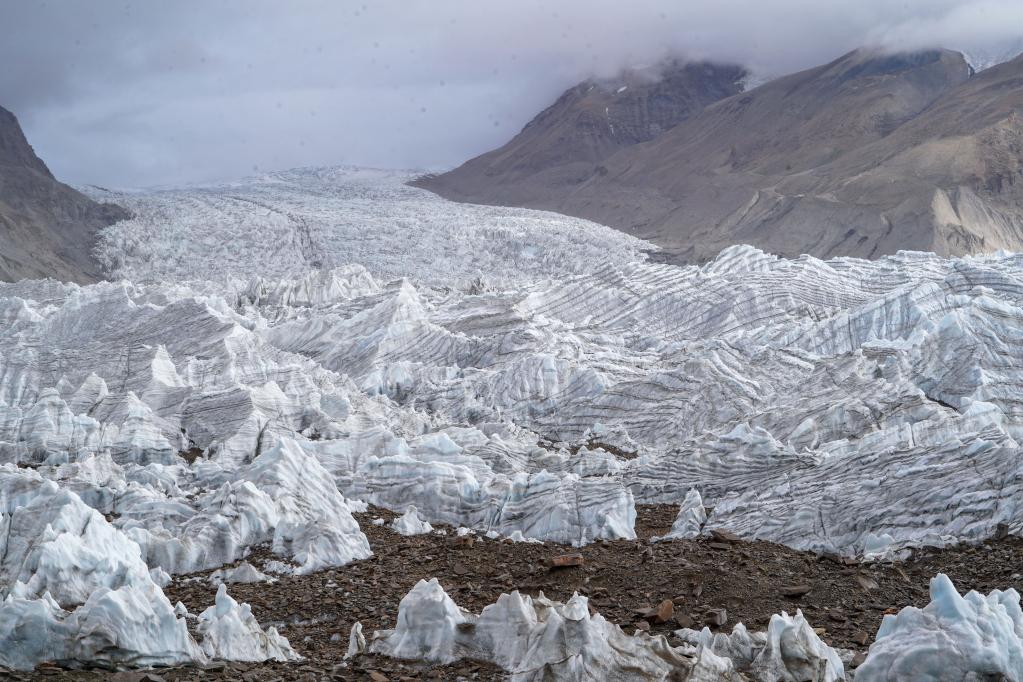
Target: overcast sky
[{"x": 142, "y": 93}]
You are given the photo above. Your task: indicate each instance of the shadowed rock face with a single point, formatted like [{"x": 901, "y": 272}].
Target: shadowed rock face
[
  {"x": 863, "y": 156},
  {"x": 47, "y": 229},
  {"x": 564, "y": 145}
]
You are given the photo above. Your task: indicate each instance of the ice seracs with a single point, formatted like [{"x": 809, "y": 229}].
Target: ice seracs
[
  {"x": 52, "y": 543},
  {"x": 230, "y": 631},
  {"x": 539, "y": 639},
  {"x": 971, "y": 636},
  {"x": 284, "y": 497},
  {"x": 547, "y": 404},
  {"x": 691, "y": 517},
  {"x": 788, "y": 650},
  {"x": 127, "y": 627},
  {"x": 75, "y": 590},
  {"x": 409, "y": 523},
  {"x": 343, "y": 349}
]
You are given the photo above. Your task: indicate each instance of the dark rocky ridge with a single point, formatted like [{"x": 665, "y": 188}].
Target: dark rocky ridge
[
  {"x": 47, "y": 229},
  {"x": 864, "y": 156},
  {"x": 564, "y": 145}
]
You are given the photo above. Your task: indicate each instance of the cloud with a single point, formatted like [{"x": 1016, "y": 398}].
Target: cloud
[{"x": 137, "y": 93}]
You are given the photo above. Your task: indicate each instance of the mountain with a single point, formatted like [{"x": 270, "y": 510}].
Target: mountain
[
  {"x": 864, "y": 156},
  {"x": 563, "y": 146},
  {"x": 47, "y": 229}
]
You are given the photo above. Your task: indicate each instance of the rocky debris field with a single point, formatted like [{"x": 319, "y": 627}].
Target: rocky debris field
[{"x": 715, "y": 582}]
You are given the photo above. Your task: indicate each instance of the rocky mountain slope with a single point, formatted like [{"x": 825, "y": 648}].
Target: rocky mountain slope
[
  {"x": 564, "y": 145},
  {"x": 864, "y": 156},
  {"x": 47, "y": 229}
]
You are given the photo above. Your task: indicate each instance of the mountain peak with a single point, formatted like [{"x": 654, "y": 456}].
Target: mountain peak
[
  {"x": 853, "y": 157},
  {"x": 566, "y": 142},
  {"x": 47, "y": 229},
  {"x": 15, "y": 151}
]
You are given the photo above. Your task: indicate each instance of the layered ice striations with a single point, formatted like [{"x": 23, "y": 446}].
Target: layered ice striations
[
  {"x": 353, "y": 341},
  {"x": 282, "y": 224},
  {"x": 825, "y": 405}
]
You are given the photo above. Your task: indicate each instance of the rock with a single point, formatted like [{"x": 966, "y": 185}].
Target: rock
[
  {"x": 1001, "y": 531},
  {"x": 460, "y": 569},
  {"x": 718, "y": 545},
  {"x": 837, "y": 616},
  {"x": 857, "y": 659},
  {"x": 377, "y": 676},
  {"x": 642, "y": 625},
  {"x": 724, "y": 536},
  {"x": 664, "y": 612},
  {"x": 795, "y": 591},
  {"x": 866, "y": 582},
  {"x": 861, "y": 638},
  {"x": 567, "y": 560},
  {"x": 661, "y": 613},
  {"x": 717, "y": 617}
]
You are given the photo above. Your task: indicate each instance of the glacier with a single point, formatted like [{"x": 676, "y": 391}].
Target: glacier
[
  {"x": 971, "y": 636},
  {"x": 273, "y": 354},
  {"x": 540, "y": 639},
  {"x": 77, "y": 591}
]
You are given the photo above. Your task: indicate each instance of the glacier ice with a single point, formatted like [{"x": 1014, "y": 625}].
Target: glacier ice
[
  {"x": 691, "y": 517},
  {"x": 284, "y": 497},
  {"x": 971, "y": 636},
  {"x": 409, "y": 523},
  {"x": 242, "y": 573},
  {"x": 127, "y": 627},
  {"x": 352, "y": 341},
  {"x": 539, "y": 639},
  {"x": 76, "y": 590},
  {"x": 572, "y": 386},
  {"x": 283, "y": 224},
  {"x": 788, "y": 650},
  {"x": 230, "y": 631}
]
